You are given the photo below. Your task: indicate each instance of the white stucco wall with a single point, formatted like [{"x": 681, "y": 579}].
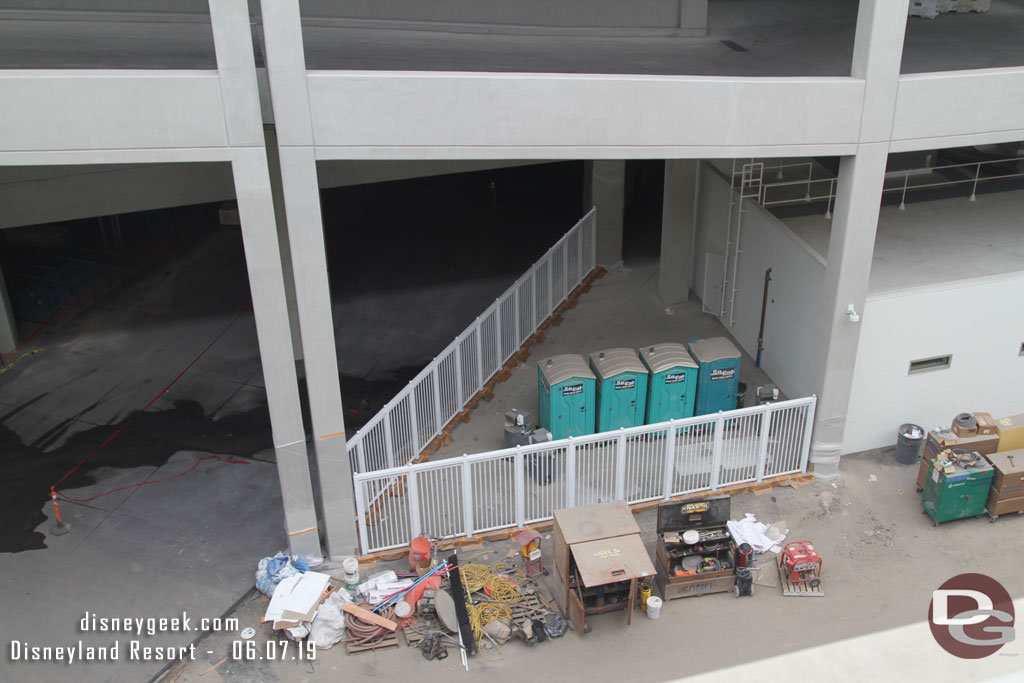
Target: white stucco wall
[
  {"x": 978, "y": 321},
  {"x": 794, "y": 332}
]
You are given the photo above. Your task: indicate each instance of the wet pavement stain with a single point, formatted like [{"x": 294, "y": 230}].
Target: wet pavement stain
[{"x": 149, "y": 439}]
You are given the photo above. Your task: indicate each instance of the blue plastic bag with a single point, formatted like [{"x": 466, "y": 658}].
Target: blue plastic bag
[{"x": 272, "y": 570}]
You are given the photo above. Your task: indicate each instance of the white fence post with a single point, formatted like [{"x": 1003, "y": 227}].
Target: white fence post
[
  {"x": 480, "y": 379},
  {"x": 670, "y": 460},
  {"x": 497, "y": 335},
  {"x": 762, "y": 448},
  {"x": 361, "y": 452},
  {"x": 467, "y": 495},
  {"x": 620, "y": 466},
  {"x": 436, "y": 374},
  {"x": 551, "y": 284},
  {"x": 388, "y": 448},
  {"x": 516, "y": 297},
  {"x": 808, "y": 428},
  {"x": 458, "y": 374},
  {"x": 592, "y": 226},
  {"x": 411, "y": 483},
  {"x": 414, "y": 422},
  {"x": 520, "y": 488},
  {"x": 716, "y": 452},
  {"x": 364, "y": 539},
  {"x": 570, "y": 474}
]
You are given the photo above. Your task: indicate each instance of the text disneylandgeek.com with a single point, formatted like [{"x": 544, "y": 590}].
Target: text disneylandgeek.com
[{"x": 138, "y": 648}]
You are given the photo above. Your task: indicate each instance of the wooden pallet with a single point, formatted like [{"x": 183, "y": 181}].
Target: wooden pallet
[
  {"x": 389, "y": 640},
  {"x": 798, "y": 590}
]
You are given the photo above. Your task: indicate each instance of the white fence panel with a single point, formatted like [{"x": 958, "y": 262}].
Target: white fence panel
[
  {"x": 420, "y": 411},
  {"x": 513, "y": 487}
]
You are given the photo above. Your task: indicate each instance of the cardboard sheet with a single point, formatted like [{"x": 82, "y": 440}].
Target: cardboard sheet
[{"x": 297, "y": 598}]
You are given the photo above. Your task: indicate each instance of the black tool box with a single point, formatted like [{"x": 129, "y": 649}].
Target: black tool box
[{"x": 705, "y": 566}]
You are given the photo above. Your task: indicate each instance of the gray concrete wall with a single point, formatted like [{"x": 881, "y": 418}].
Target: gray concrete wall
[{"x": 32, "y": 195}]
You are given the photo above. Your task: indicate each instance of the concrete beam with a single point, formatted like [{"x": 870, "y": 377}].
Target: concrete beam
[
  {"x": 230, "y": 19},
  {"x": 605, "y": 187},
  {"x": 286, "y": 68},
  {"x": 678, "y": 217},
  {"x": 878, "y": 50},
  {"x": 851, "y": 248}
]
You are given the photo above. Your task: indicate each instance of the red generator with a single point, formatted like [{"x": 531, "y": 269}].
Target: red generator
[{"x": 800, "y": 562}]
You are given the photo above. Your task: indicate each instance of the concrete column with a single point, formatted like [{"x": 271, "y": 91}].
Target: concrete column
[
  {"x": 281, "y": 217},
  {"x": 286, "y": 68},
  {"x": 237, "y": 70},
  {"x": 8, "y": 327},
  {"x": 604, "y": 186},
  {"x": 850, "y": 249},
  {"x": 878, "y": 49},
  {"x": 678, "y": 216}
]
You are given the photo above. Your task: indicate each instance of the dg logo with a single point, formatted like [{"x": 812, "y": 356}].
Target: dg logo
[{"x": 971, "y": 616}]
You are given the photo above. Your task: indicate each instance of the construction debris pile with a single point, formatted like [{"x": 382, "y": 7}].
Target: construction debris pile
[{"x": 428, "y": 607}]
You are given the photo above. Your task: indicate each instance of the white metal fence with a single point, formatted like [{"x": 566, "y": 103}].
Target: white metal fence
[
  {"x": 397, "y": 434},
  {"x": 466, "y": 495}
]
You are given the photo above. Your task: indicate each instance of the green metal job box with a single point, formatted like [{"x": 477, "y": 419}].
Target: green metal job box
[
  {"x": 959, "y": 493},
  {"x": 621, "y": 388},
  {"x": 719, "y": 377},
  {"x": 672, "y": 388},
  {"x": 566, "y": 396}
]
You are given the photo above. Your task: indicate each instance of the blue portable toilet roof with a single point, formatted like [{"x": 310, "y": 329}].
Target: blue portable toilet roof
[
  {"x": 567, "y": 366},
  {"x": 612, "y": 362},
  {"x": 661, "y": 357},
  {"x": 715, "y": 348}
]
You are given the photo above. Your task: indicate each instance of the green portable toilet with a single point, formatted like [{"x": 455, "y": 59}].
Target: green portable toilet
[
  {"x": 672, "y": 389},
  {"x": 621, "y": 388},
  {"x": 566, "y": 396},
  {"x": 719, "y": 378}
]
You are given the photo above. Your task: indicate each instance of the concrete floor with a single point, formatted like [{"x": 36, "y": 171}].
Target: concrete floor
[
  {"x": 623, "y": 309},
  {"x": 776, "y": 38},
  {"x": 192, "y": 543},
  {"x": 910, "y": 243},
  {"x": 882, "y": 559}
]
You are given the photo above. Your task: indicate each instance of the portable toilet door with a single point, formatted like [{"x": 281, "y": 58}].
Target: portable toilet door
[
  {"x": 566, "y": 396},
  {"x": 621, "y": 388},
  {"x": 672, "y": 389},
  {"x": 718, "y": 381}
]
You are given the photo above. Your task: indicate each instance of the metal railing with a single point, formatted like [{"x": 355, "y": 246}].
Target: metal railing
[
  {"x": 824, "y": 189},
  {"x": 396, "y": 435},
  {"x": 513, "y": 487}
]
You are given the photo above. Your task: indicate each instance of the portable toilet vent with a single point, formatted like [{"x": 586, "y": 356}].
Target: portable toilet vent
[
  {"x": 621, "y": 388},
  {"x": 672, "y": 389},
  {"x": 566, "y": 396},
  {"x": 719, "y": 377}
]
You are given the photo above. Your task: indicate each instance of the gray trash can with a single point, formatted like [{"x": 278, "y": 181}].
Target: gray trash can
[{"x": 909, "y": 444}]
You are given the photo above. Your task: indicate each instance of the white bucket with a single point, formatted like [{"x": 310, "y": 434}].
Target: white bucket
[
  {"x": 654, "y": 607},
  {"x": 351, "y": 568}
]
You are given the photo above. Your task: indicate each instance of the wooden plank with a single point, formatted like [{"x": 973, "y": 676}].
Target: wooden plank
[{"x": 368, "y": 616}]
